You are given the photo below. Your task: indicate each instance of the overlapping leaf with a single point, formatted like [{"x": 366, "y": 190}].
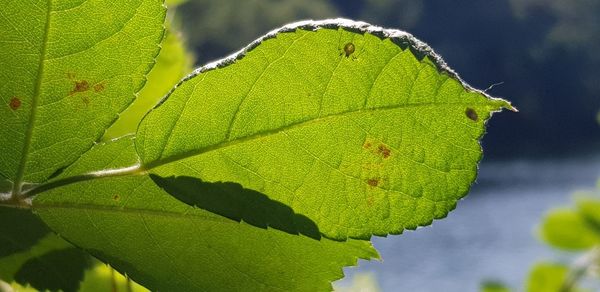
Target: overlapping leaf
[
  {"x": 68, "y": 68},
  {"x": 31, "y": 255},
  {"x": 167, "y": 245}
]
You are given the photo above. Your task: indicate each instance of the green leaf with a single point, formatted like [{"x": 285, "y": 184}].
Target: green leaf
[
  {"x": 546, "y": 277},
  {"x": 31, "y": 255},
  {"x": 567, "y": 229},
  {"x": 19, "y": 230},
  {"x": 166, "y": 245},
  {"x": 68, "y": 69},
  {"x": 493, "y": 286},
  {"x": 102, "y": 278},
  {"x": 172, "y": 64},
  {"x": 360, "y": 129},
  {"x": 56, "y": 270}
]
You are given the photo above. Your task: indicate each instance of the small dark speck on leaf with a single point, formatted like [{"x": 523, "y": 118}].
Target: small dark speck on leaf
[
  {"x": 384, "y": 151},
  {"x": 99, "y": 87},
  {"x": 116, "y": 198},
  {"x": 373, "y": 182},
  {"x": 349, "y": 49},
  {"x": 81, "y": 86},
  {"x": 471, "y": 114},
  {"x": 367, "y": 145},
  {"x": 15, "y": 103}
]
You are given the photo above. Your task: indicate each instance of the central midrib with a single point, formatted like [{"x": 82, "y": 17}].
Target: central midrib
[
  {"x": 34, "y": 101},
  {"x": 195, "y": 152}
]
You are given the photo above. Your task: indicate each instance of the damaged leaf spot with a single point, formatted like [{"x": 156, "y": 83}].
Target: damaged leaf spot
[
  {"x": 349, "y": 49},
  {"x": 99, "y": 87},
  {"x": 81, "y": 86},
  {"x": 116, "y": 198},
  {"x": 384, "y": 151},
  {"x": 14, "y": 103},
  {"x": 373, "y": 182},
  {"x": 367, "y": 145},
  {"x": 471, "y": 114}
]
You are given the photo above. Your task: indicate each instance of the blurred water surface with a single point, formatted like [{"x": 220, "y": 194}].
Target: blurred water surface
[{"x": 491, "y": 234}]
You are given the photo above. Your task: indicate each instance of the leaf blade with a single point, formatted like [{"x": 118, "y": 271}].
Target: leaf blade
[
  {"x": 347, "y": 126},
  {"x": 78, "y": 60},
  {"x": 164, "y": 244}
]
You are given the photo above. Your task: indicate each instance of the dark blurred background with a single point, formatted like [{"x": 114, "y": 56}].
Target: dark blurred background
[{"x": 543, "y": 52}]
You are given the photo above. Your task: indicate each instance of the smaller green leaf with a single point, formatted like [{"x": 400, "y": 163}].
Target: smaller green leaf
[
  {"x": 31, "y": 254},
  {"x": 493, "y": 286},
  {"x": 102, "y": 278},
  {"x": 567, "y": 229},
  {"x": 547, "y": 277},
  {"x": 56, "y": 270},
  {"x": 22, "y": 236},
  {"x": 588, "y": 205}
]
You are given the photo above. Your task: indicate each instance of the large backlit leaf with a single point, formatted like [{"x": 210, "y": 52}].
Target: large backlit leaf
[
  {"x": 68, "y": 68},
  {"x": 362, "y": 130},
  {"x": 166, "y": 245}
]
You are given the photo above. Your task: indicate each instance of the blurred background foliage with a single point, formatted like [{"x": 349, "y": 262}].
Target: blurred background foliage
[{"x": 544, "y": 52}]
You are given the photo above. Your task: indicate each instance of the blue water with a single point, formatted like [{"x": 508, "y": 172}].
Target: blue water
[{"x": 490, "y": 235}]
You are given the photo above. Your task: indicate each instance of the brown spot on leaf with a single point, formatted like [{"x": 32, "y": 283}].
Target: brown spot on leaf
[
  {"x": 81, "y": 86},
  {"x": 116, "y": 198},
  {"x": 373, "y": 182},
  {"x": 384, "y": 151},
  {"x": 99, "y": 87},
  {"x": 349, "y": 49},
  {"x": 367, "y": 145},
  {"x": 471, "y": 114},
  {"x": 15, "y": 103}
]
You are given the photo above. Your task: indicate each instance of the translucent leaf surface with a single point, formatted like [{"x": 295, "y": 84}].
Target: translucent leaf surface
[
  {"x": 568, "y": 229},
  {"x": 167, "y": 245},
  {"x": 362, "y": 130},
  {"x": 172, "y": 64},
  {"x": 545, "y": 277},
  {"x": 68, "y": 67}
]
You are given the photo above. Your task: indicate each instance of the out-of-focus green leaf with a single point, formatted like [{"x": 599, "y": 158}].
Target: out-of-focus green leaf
[
  {"x": 103, "y": 278},
  {"x": 362, "y": 130},
  {"x": 167, "y": 245},
  {"x": 174, "y": 3},
  {"x": 172, "y": 64},
  {"x": 68, "y": 68},
  {"x": 567, "y": 229},
  {"x": 493, "y": 286},
  {"x": 547, "y": 277}
]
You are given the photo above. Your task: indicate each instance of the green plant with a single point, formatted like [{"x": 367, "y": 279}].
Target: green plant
[
  {"x": 572, "y": 230},
  {"x": 267, "y": 170}
]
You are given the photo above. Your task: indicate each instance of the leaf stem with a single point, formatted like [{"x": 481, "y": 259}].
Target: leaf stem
[{"x": 131, "y": 170}]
